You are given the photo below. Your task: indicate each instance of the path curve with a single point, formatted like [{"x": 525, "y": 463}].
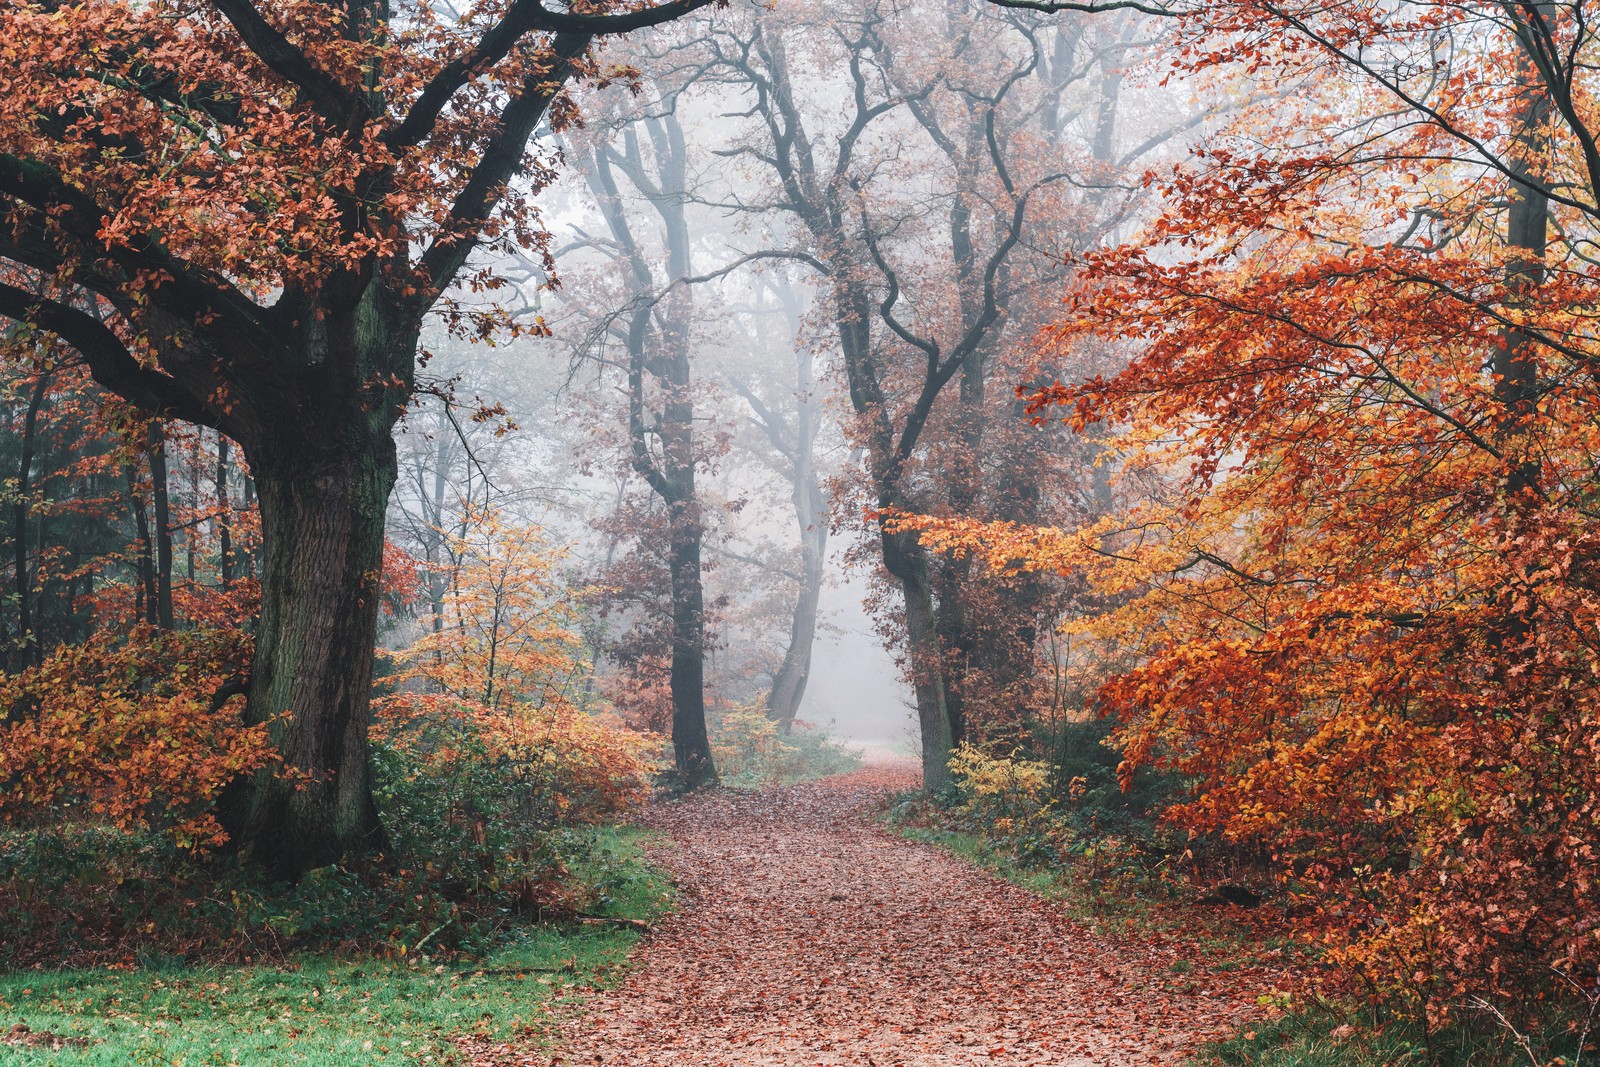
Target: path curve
[{"x": 810, "y": 937}]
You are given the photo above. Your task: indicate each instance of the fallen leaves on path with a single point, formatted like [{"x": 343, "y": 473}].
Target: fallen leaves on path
[{"x": 809, "y": 936}]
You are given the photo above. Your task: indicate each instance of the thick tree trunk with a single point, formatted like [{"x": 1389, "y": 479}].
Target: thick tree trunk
[
  {"x": 1515, "y": 362},
  {"x": 910, "y": 566},
  {"x": 691, "y": 745},
  {"x": 933, "y": 712},
  {"x": 322, "y": 516},
  {"x": 958, "y": 645}
]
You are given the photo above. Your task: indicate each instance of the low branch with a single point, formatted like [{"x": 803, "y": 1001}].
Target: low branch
[
  {"x": 109, "y": 361},
  {"x": 500, "y": 161},
  {"x": 1091, "y": 7}
]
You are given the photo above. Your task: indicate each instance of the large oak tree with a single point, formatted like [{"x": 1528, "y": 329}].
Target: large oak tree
[{"x": 240, "y": 214}]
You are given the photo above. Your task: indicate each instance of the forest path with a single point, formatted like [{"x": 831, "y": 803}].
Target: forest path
[{"x": 807, "y": 935}]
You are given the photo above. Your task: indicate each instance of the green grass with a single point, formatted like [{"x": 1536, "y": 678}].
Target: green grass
[
  {"x": 1310, "y": 1039},
  {"x": 323, "y": 1011},
  {"x": 1327, "y": 1037}
]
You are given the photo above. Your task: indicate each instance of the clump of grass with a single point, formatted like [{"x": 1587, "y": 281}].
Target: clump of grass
[{"x": 1327, "y": 1036}]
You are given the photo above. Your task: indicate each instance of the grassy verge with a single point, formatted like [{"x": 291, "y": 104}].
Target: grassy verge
[
  {"x": 1329, "y": 1037},
  {"x": 322, "y": 1010},
  {"x": 1116, "y": 903}
]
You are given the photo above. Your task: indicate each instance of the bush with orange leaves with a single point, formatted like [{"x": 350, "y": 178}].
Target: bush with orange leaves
[
  {"x": 483, "y": 751},
  {"x": 554, "y": 764},
  {"x": 129, "y": 734}
]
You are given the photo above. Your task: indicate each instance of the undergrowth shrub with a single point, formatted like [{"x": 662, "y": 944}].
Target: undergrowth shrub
[
  {"x": 487, "y": 830},
  {"x": 1064, "y": 803},
  {"x": 488, "y": 815},
  {"x": 131, "y": 734},
  {"x": 473, "y": 796},
  {"x": 750, "y": 750}
]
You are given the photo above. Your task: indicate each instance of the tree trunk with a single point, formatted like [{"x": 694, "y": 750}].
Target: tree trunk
[
  {"x": 191, "y": 530},
  {"x": 163, "y": 525},
  {"x": 438, "y": 574},
  {"x": 1515, "y": 361},
  {"x": 224, "y": 516},
  {"x": 909, "y": 565},
  {"x": 322, "y": 517},
  {"x": 789, "y": 684},
  {"x": 27, "y": 646},
  {"x": 144, "y": 595},
  {"x": 659, "y": 345},
  {"x": 691, "y": 745},
  {"x": 933, "y": 712}
]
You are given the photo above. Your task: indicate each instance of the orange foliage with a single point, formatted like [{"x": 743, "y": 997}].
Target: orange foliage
[
  {"x": 1369, "y": 653},
  {"x": 496, "y": 680},
  {"x": 562, "y": 765},
  {"x": 507, "y": 635},
  {"x": 129, "y": 734}
]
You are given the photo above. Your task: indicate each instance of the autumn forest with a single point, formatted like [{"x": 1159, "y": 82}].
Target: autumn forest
[{"x": 766, "y": 533}]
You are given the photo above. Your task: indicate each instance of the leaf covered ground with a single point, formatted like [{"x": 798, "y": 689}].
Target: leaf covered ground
[{"x": 810, "y": 936}]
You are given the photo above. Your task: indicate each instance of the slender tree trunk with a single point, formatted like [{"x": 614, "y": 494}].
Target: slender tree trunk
[
  {"x": 144, "y": 597},
  {"x": 438, "y": 576},
  {"x": 247, "y": 557},
  {"x": 191, "y": 530},
  {"x": 224, "y": 516},
  {"x": 789, "y": 684},
  {"x": 27, "y": 645},
  {"x": 322, "y": 516},
  {"x": 691, "y": 745},
  {"x": 163, "y": 525}
]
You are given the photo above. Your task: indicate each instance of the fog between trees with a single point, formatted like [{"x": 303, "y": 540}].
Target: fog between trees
[{"x": 800, "y": 256}]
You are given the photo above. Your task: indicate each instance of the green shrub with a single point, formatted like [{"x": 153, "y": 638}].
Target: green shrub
[
  {"x": 751, "y": 751},
  {"x": 464, "y": 866},
  {"x": 1083, "y": 765}
]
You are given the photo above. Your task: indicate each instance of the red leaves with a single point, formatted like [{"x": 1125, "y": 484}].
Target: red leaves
[{"x": 1369, "y": 656}]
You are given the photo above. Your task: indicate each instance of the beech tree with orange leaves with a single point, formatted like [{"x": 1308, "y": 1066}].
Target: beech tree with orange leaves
[
  {"x": 240, "y": 215},
  {"x": 1363, "y": 609}
]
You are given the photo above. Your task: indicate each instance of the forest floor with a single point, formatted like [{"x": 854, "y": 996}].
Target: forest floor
[{"x": 810, "y": 935}]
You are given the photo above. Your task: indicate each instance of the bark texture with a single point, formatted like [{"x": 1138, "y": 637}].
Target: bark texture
[{"x": 322, "y": 514}]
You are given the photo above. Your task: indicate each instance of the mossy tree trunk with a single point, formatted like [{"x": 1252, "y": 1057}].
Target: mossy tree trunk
[{"x": 322, "y": 519}]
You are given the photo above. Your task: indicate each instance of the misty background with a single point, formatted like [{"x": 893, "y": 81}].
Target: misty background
[{"x": 735, "y": 182}]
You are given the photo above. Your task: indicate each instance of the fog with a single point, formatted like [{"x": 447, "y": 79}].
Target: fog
[{"x": 794, "y": 270}]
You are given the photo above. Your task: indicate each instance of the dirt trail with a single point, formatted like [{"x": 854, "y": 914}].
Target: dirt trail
[{"x": 809, "y": 936}]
